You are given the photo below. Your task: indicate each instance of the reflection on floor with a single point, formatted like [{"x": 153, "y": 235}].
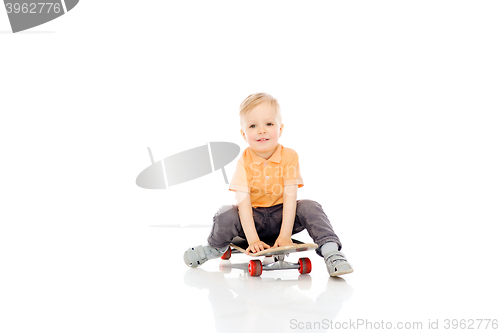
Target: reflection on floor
[{"x": 238, "y": 299}]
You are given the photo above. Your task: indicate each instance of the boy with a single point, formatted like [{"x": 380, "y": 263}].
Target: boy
[{"x": 266, "y": 181}]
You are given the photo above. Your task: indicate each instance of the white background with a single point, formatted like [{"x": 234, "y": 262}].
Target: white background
[{"x": 392, "y": 106}]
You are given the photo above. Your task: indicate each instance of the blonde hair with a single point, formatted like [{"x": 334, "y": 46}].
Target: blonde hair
[{"x": 255, "y": 99}]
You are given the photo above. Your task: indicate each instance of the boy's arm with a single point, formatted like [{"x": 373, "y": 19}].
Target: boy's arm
[
  {"x": 289, "y": 208},
  {"x": 246, "y": 217}
]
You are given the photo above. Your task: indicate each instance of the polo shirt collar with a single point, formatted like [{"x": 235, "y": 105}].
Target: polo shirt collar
[{"x": 275, "y": 157}]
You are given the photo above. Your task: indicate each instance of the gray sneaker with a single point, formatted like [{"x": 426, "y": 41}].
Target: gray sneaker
[
  {"x": 337, "y": 264},
  {"x": 198, "y": 255}
]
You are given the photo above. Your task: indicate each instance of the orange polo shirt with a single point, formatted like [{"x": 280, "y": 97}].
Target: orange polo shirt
[{"x": 265, "y": 180}]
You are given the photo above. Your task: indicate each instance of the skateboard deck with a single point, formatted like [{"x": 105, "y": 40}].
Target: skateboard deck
[
  {"x": 241, "y": 246},
  {"x": 255, "y": 267}
]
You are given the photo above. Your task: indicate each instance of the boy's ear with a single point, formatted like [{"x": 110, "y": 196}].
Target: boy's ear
[
  {"x": 281, "y": 130},
  {"x": 243, "y": 135}
]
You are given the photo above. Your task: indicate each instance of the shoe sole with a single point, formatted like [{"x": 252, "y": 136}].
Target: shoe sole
[{"x": 342, "y": 272}]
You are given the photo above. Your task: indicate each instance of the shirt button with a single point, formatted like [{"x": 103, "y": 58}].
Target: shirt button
[
  {"x": 267, "y": 177},
  {"x": 265, "y": 163}
]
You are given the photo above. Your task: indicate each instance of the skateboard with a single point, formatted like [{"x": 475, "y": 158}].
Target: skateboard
[{"x": 255, "y": 266}]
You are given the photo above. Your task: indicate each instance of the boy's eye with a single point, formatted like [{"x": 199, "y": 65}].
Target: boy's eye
[
  {"x": 269, "y": 124},
  {"x": 252, "y": 126}
]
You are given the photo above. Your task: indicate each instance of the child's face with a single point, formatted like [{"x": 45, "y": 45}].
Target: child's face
[{"x": 262, "y": 130}]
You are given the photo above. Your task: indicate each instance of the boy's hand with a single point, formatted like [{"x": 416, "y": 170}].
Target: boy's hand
[
  {"x": 257, "y": 247},
  {"x": 283, "y": 241}
]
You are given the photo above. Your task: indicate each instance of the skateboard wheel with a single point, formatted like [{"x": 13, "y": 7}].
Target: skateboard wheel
[
  {"x": 305, "y": 266},
  {"x": 226, "y": 254},
  {"x": 255, "y": 268}
]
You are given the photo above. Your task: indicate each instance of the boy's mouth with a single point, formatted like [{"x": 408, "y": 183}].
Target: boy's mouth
[{"x": 262, "y": 140}]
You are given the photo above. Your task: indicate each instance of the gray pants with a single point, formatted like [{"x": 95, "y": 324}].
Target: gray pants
[{"x": 309, "y": 215}]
